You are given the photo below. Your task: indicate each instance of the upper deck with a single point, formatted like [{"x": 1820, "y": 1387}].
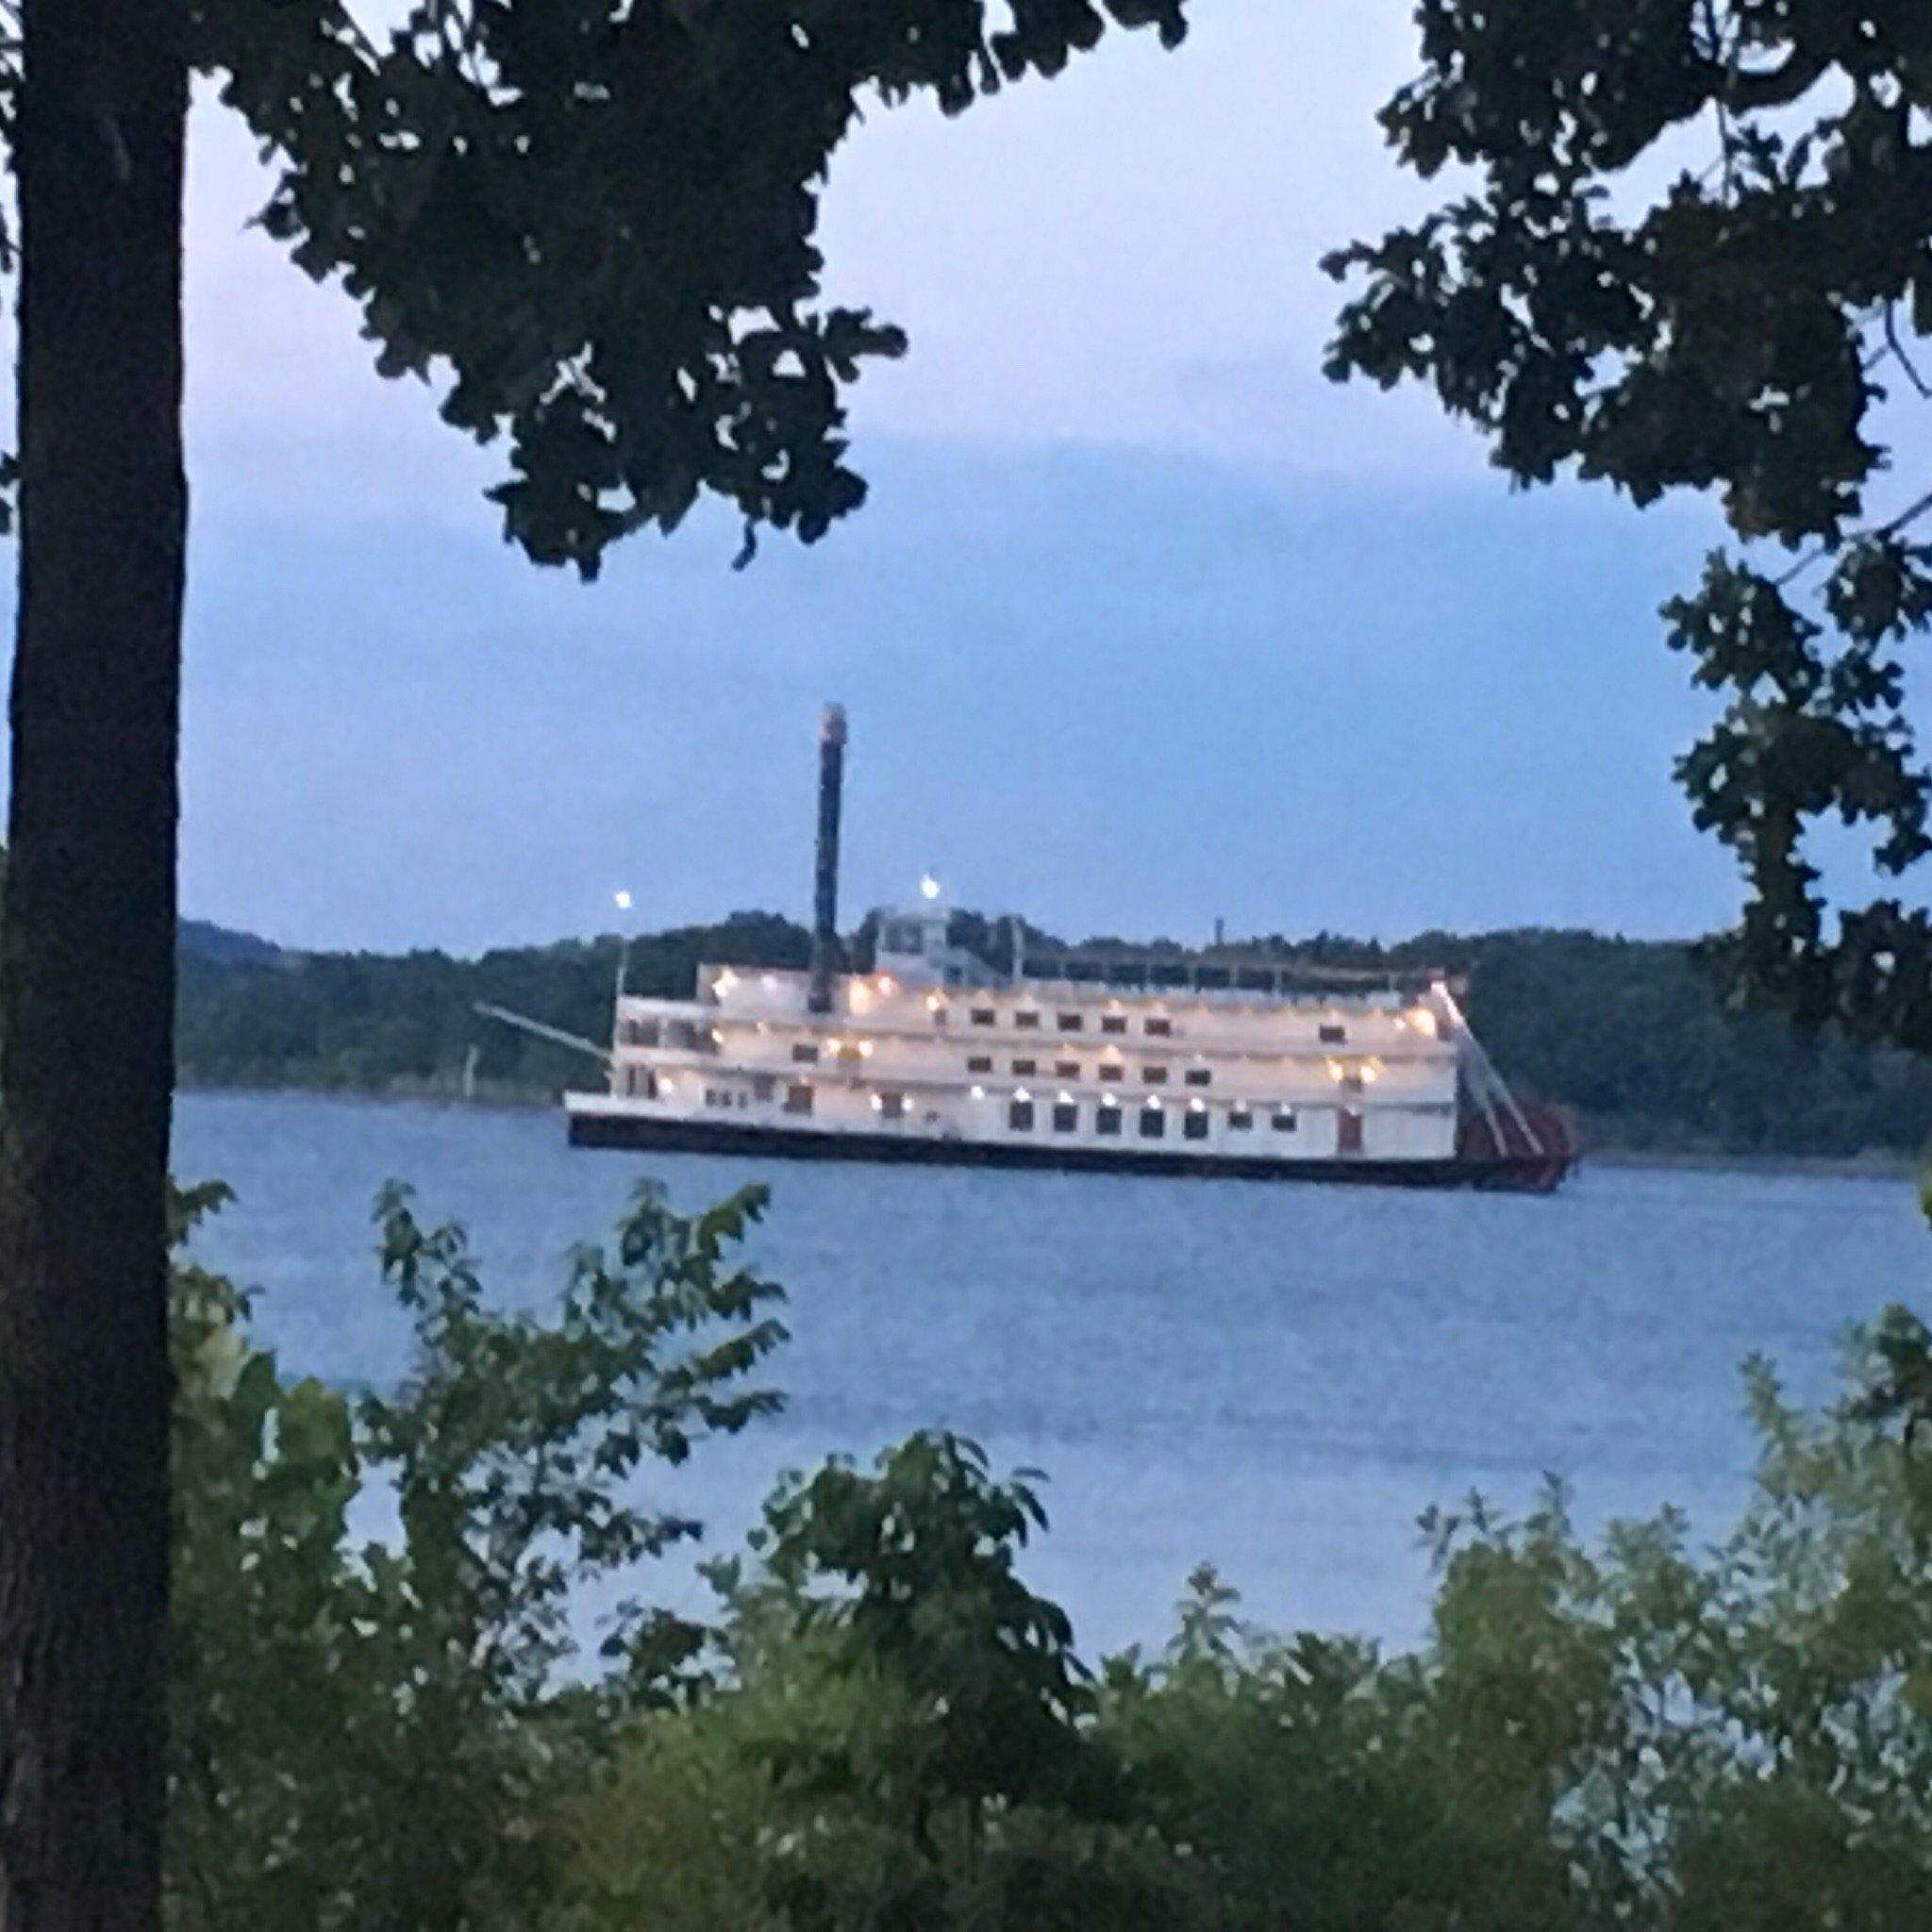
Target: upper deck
[{"x": 1384, "y": 1020}]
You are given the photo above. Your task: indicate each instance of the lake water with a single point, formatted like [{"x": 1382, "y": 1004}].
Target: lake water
[{"x": 1274, "y": 1378}]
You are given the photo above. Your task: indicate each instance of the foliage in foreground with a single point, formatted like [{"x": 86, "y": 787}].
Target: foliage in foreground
[
  {"x": 371, "y": 1692},
  {"x": 1686, "y": 244},
  {"x": 886, "y": 1727}
]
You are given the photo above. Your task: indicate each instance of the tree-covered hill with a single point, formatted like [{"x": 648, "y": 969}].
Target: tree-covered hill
[
  {"x": 407, "y": 1023},
  {"x": 1625, "y": 1033}
]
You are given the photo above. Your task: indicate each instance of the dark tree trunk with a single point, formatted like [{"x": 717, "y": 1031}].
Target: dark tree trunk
[{"x": 87, "y": 968}]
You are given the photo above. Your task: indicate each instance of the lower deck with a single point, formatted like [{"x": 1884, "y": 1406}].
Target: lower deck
[{"x": 596, "y": 1121}]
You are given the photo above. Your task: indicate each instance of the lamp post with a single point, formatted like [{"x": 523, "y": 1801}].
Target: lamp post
[{"x": 623, "y": 902}]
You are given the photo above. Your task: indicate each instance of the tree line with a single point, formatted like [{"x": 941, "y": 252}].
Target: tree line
[{"x": 1630, "y": 1034}]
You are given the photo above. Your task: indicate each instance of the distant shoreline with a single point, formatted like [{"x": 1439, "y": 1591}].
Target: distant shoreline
[
  {"x": 1851, "y": 1167},
  {"x": 1866, "y": 1166}
]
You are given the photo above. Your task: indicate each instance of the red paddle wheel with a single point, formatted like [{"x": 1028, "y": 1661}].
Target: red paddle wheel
[{"x": 1524, "y": 1149}]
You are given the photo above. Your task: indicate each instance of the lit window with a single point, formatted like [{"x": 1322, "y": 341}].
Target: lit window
[
  {"x": 979, "y": 1063},
  {"x": 1195, "y": 1127},
  {"x": 1199, "y": 1077},
  {"x": 1152, "y": 1123},
  {"x": 1020, "y": 1116},
  {"x": 1284, "y": 1120},
  {"x": 1066, "y": 1118},
  {"x": 1025, "y": 1066},
  {"x": 805, "y": 1054},
  {"x": 1027, "y": 1021},
  {"x": 1107, "y": 1120},
  {"x": 798, "y": 1097},
  {"x": 1114, "y": 1023},
  {"x": 1159, "y": 1030},
  {"x": 891, "y": 1107},
  {"x": 1333, "y": 1034},
  {"x": 984, "y": 1016},
  {"x": 1240, "y": 1120},
  {"x": 1072, "y": 1023}
]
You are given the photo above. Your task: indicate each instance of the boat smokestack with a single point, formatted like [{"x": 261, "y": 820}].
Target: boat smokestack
[{"x": 825, "y": 924}]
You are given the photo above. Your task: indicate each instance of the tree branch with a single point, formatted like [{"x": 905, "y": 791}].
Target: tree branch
[
  {"x": 1910, "y": 514},
  {"x": 1773, "y": 87},
  {"x": 1898, "y": 349}
]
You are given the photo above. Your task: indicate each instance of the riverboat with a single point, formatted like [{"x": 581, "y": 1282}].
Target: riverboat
[{"x": 1097, "y": 1059}]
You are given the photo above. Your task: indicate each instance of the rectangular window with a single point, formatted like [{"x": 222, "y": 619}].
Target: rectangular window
[
  {"x": 1066, "y": 1118},
  {"x": 1284, "y": 1120},
  {"x": 1333, "y": 1035},
  {"x": 979, "y": 1063},
  {"x": 1020, "y": 1116},
  {"x": 1154, "y": 1076},
  {"x": 641, "y": 1033},
  {"x": 1107, "y": 1120},
  {"x": 1072, "y": 1023},
  {"x": 805, "y": 1054},
  {"x": 1152, "y": 1123},
  {"x": 1112, "y": 1070},
  {"x": 1199, "y": 1077},
  {"x": 983, "y": 1016},
  {"x": 1066, "y": 1070},
  {"x": 1027, "y": 1021},
  {"x": 1114, "y": 1023},
  {"x": 798, "y": 1097},
  {"x": 1025, "y": 1067},
  {"x": 891, "y": 1107},
  {"x": 1160, "y": 1029},
  {"x": 762, "y": 1087},
  {"x": 640, "y": 1083},
  {"x": 1195, "y": 1127},
  {"x": 1240, "y": 1120}
]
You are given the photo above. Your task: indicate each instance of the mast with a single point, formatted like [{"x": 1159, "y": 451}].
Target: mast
[{"x": 825, "y": 930}]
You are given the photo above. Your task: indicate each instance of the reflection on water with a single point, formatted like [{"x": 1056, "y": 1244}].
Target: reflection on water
[{"x": 1273, "y": 1377}]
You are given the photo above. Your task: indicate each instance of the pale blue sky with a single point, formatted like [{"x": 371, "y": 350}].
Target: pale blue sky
[{"x": 1145, "y": 622}]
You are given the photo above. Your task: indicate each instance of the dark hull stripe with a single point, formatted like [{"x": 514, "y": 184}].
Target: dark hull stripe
[{"x": 1522, "y": 1175}]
